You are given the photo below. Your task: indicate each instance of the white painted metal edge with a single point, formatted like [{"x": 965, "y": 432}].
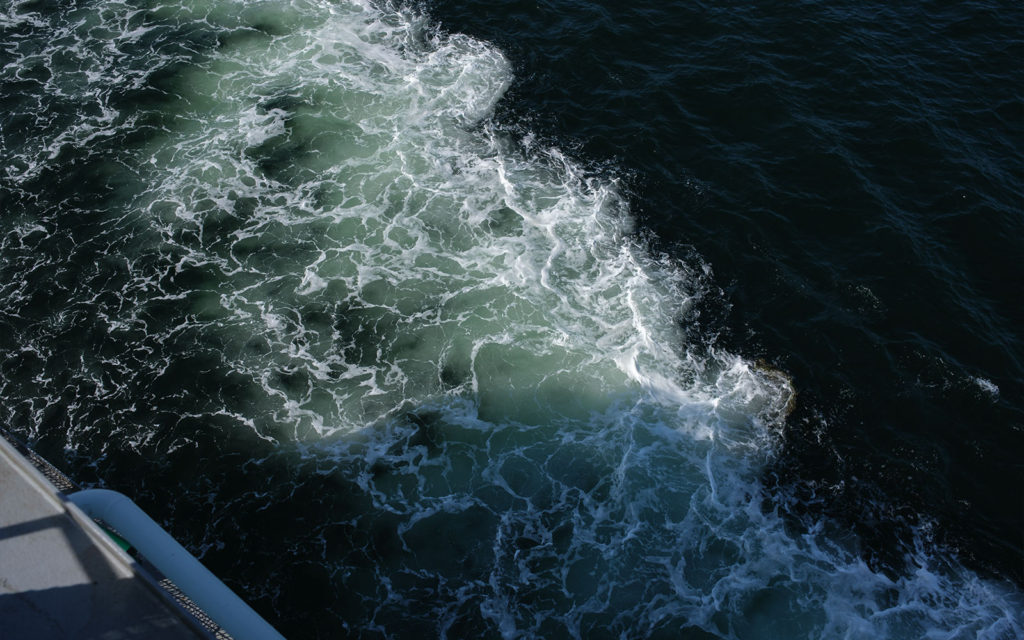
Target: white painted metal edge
[{"x": 174, "y": 561}]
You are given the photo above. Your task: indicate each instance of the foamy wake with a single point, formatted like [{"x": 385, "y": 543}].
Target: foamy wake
[{"x": 320, "y": 206}]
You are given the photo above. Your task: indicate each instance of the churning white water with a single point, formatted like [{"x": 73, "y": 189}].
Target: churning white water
[{"x": 313, "y": 204}]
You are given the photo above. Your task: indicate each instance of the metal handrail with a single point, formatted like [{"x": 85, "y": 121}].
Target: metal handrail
[{"x": 175, "y": 562}]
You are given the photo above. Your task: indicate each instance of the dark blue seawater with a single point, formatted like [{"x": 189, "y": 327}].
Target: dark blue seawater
[
  {"x": 564, "y": 319},
  {"x": 853, "y": 173}
]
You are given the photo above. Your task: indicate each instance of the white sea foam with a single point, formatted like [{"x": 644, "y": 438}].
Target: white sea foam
[
  {"x": 986, "y": 385},
  {"x": 464, "y": 321}
]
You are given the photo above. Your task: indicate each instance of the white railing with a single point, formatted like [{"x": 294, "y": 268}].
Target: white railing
[{"x": 171, "y": 559}]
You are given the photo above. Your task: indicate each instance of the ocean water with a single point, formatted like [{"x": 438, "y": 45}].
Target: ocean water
[{"x": 555, "y": 319}]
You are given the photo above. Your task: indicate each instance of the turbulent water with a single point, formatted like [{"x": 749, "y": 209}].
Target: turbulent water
[{"x": 395, "y": 365}]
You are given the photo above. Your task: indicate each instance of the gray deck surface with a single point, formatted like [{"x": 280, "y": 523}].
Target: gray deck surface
[{"x": 62, "y": 578}]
